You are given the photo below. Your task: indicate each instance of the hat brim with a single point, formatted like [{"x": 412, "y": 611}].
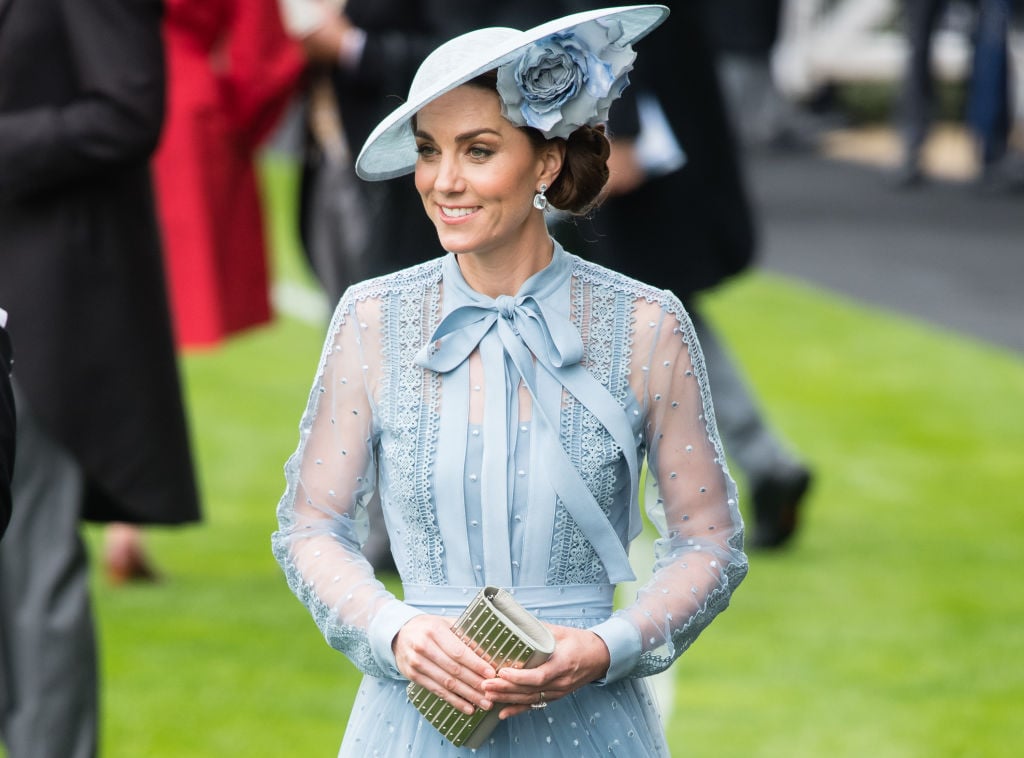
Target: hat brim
[{"x": 390, "y": 150}]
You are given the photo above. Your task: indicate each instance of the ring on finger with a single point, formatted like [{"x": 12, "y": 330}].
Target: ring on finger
[{"x": 541, "y": 701}]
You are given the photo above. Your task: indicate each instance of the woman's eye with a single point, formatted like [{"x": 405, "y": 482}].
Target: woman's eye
[
  {"x": 480, "y": 152},
  {"x": 425, "y": 150}
]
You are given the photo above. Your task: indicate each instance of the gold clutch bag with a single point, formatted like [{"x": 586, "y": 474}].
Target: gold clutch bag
[{"x": 503, "y": 633}]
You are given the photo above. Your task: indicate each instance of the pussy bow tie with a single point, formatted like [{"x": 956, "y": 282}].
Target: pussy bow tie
[
  {"x": 535, "y": 337},
  {"x": 522, "y": 325}
]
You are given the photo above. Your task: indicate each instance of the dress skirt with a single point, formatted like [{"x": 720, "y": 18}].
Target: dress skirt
[{"x": 620, "y": 719}]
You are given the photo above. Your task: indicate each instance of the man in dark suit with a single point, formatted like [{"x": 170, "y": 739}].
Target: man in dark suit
[
  {"x": 687, "y": 225},
  {"x": 363, "y": 58},
  {"x": 101, "y": 427},
  {"x": 7, "y": 427}
]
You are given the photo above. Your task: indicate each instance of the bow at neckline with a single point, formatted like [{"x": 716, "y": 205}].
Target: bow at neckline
[{"x": 523, "y": 320}]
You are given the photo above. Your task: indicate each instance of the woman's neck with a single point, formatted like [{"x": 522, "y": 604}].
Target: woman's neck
[{"x": 504, "y": 274}]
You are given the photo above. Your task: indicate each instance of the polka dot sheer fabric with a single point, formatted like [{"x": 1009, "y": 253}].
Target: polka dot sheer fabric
[{"x": 506, "y": 439}]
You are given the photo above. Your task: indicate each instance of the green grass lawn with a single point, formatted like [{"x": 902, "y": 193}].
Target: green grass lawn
[{"x": 893, "y": 627}]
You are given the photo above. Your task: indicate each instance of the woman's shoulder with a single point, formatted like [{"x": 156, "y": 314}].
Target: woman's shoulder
[
  {"x": 405, "y": 280},
  {"x": 647, "y": 296}
]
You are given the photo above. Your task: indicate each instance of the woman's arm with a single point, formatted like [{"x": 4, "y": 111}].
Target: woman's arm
[
  {"x": 690, "y": 498},
  {"x": 322, "y": 521},
  {"x": 692, "y": 501},
  {"x": 330, "y": 478}
]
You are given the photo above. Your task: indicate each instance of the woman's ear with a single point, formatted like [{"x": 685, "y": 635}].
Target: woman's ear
[{"x": 552, "y": 157}]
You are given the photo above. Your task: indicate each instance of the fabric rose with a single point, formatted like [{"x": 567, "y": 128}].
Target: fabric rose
[{"x": 567, "y": 80}]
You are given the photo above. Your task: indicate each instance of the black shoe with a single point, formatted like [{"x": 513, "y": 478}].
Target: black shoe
[
  {"x": 1002, "y": 177},
  {"x": 908, "y": 176},
  {"x": 777, "y": 506}
]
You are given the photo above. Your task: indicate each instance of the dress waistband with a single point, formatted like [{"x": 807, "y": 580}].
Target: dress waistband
[{"x": 571, "y": 601}]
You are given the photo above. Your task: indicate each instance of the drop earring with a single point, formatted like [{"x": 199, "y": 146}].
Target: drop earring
[{"x": 540, "y": 200}]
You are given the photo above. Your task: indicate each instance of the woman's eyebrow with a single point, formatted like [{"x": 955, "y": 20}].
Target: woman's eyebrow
[
  {"x": 464, "y": 137},
  {"x": 467, "y": 136}
]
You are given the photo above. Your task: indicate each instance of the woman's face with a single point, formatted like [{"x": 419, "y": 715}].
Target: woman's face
[{"x": 477, "y": 174}]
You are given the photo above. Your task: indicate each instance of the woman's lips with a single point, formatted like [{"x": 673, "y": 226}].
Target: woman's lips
[{"x": 456, "y": 214}]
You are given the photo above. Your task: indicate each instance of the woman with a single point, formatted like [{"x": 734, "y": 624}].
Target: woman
[{"x": 500, "y": 399}]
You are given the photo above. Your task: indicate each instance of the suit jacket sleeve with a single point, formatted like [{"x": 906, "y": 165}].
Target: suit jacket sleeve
[{"x": 115, "y": 117}]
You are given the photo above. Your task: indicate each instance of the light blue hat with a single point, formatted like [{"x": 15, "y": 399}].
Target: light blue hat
[{"x": 556, "y": 77}]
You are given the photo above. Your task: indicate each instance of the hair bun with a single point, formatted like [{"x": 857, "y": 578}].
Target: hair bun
[{"x": 584, "y": 171}]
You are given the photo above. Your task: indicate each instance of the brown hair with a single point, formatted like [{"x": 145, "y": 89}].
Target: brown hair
[{"x": 584, "y": 173}]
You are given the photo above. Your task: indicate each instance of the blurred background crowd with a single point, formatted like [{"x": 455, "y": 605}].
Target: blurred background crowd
[{"x": 135, "y": 209}]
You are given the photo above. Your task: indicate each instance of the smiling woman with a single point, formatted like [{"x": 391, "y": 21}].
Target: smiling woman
[{"x": 501, "y": 400}]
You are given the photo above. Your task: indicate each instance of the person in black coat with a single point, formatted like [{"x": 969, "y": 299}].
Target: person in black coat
[
  {"x": 686, "y": 224},
  {"x": 362, "y": 58},
  {"x": 101, "y": 425}
]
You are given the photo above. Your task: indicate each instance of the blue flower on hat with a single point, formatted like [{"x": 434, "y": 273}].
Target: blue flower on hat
[{"x": 567, "y": 80}]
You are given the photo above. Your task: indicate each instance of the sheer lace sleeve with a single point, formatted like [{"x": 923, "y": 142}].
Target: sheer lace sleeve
[
  {"x": 690, "y": 498},
  {"x": 330, "y": 478}
]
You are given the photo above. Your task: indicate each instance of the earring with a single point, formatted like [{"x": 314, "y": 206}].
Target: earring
[{"x": 540, "y": 200}]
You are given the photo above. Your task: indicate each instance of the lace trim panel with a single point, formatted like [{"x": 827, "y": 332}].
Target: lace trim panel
[
  {"x": 600, "y": 313},
  {"x": 410, "y": 401}
]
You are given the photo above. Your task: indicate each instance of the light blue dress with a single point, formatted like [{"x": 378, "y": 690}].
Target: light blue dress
[{"x": 506, "y": 437}]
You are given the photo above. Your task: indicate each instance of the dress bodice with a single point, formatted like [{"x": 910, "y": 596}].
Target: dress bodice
[{"x": 505, "y": 438}]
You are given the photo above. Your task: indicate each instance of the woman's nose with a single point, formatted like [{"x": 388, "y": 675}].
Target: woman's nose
[{"x": 449, "y": 176}]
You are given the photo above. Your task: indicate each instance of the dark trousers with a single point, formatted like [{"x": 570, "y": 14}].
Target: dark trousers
[
  {"x": 918, "y": 105},
  {"x": 989, "y": 114},
  {"x": 48, "y": 681},
  {"x": 988, "y": 110}
]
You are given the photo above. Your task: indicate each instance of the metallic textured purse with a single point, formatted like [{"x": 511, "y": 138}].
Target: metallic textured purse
[{"x": 503, "y": 633}]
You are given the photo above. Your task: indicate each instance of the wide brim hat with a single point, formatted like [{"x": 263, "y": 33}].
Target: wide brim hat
[{"x": 390, "y": 150}]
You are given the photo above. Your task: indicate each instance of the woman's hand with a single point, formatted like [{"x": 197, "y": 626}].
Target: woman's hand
[
  {"x": 580, "y": 657},
  {"x": 429, "y": 654}
]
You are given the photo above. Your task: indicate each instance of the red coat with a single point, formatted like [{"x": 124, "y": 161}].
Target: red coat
[{"x": 231, "y": 71}]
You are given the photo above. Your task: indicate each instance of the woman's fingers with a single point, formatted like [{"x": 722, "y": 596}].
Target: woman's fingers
[
  {"x": 551, "y": 682},
  {"x": 430, "y": 654},
  {"x": 580, "y": 658},
  {"x": 431, "y": 638},
  {"x": 464, "y": 696}
]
